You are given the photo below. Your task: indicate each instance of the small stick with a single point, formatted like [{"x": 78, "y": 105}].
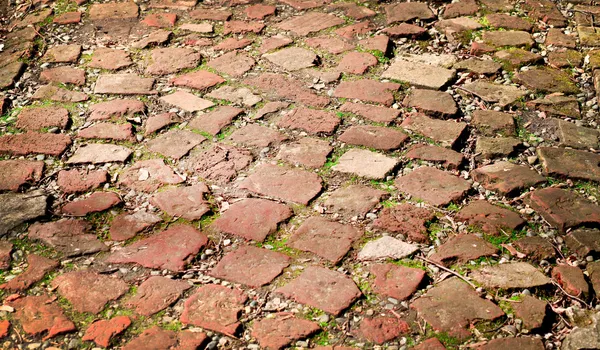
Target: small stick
[
  {"x": 448, "y": 270},
  {"x": 569, "y": 295}
]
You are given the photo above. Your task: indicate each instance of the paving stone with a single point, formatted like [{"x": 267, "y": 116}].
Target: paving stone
[
  {"x": 563, "y": 209},
  {"x": 460, "y": 8},
  {"x": 434, "y": 186},
  {"x": 536, "y": 248},
  {"x": 308, "y": 23},
  {"x": 111, "y": 59},
  {"x": 269, "y": 109},
  {"x": 170, "y": 249},
  {"x": 556, "y": 37},
  {"x": 328, "y": 239},
  {"x": 98, "y": 153},
  {"x": 367, "y": 90},
  {"x": 584, "y": 336},
  {"x": 89, "y": 291},
  {"x": 405, "y": 12},
  {"x": 214, "y": 307},
  {"x": 455, "y": 28},
  {"x": 113, "y": 10},
  {"x": 199, "y": 80},
  {"x": 160, "y": 20},
  {"x": 381, "y": 329},
  {"x": 377, "y": 114},
  {"x": 186, "y": 101},
  {"x": 515, "y": 57},
  {"x": 431, "y": 102},
  {"x": 448, "y": 158},
  {"x": 498, "y": 5},
  {"x": 461, "y": 305},
  {"x": 292, "y": 185},
  {"x": 565, "y": 59},
  {"x": 525, "y": 343},
  {"x": 149, "y": 175},
  {"x": 96, "y": 202},
  {"x": 108, "y": 131},
  {"x": 398, "y": 282},
  {"x": 279, "y": 331},
  {"x": 171, "y": 60},
  {"x": 175, "y": 143},
  {"x": 445, "y": 132},
  {"x": 569, "y": 163},
  {"x": 531, "y": 311},
  {"x": 461, "y": 248},
  {"x": 232, "y": 44},
  {"x": 34, "y": 143},
  {"x": 310, "y": 120},
  {"x": 71, "y": 237},
  {"x": 38, "y": 267},
  {"x": 154, "y": 337},
  {"x": 406, "y": 219},
  {"x": 354, "y": 200},
  {"x": 254, "y": 267},
  {"x": 241, "y": 27},
  {"x": 490, "y": 218},
  {"x": 5, "y": 254},
  {"x": 41, "y": 315},
  {"x": 305, "y": 4},
  {"x": 220, "y": 163},
  {"x": 14, "y": 174},
  {"x": 307, "y": 151},
  {"x": 102, "y": 331},
  {"x": 546, "y": 11},
  {"x": 323, "y": 289},
  {"x": 34, "y": 18},
  {"x": 252, "y": 218},
  {"x": 117, "y": 108},
  {"x": 430, "y": 344},
  {"x": 506, "y": 178},
  {"x": 503, "y": 95},
  {"x": 275, "y": 42},
  {"x": 126, "y": 225},
  {"x": 592, "y": 272},
  {"x": 239, "y": 96},
  {"x": 478, "y": 66},
  {"x": 55, "y": 93},
  {"x": 253, "y": 135},
  {"x": 17, "y": 208},
  {"x": 515, "y": 38},
  {"x": 282, "y": 87},
  {"x": 64, "y": 75},
  {"x": 352, "y": 10},
  {"x": 557, "y": 105},
  {"x": 232, "y": 63},
  {"x": 419, "y": 74},
  {"x": 571, "y": 279},
  {"x": 62, "y": 53},
  {"x": 292, "y": 58},
  {"x": 10, "y": 74},
  {"x": 378, "y": 42},
  {"x": 124, "y": 84},
  {"x": 259, "y": 11},
  {"x": 183, "y": 202},
  {"x": 4, "y": 328},
  {"x": 502, "y": 20},
  {"x": 354, "y": 31},
  {"x": 210, "y": 14},
  {"x": 333, "y": 45},
  {"x": 380, "y": 138},
  {"x": 386, "y": 247},
  {"x": 547, "y": 80},
  {"x": 491, "y": 123},
  {"x": 583, "y": 242},
  {"x": 158, "y": 122},
  {"x": 365, "y": 163},
  {"x": 214, "y": 121},
  {"x": 404, "y": 30},
  {"x": 510, "y": 275},
  {"x": 155, "y": 294},
  {"x": 357, "y": 62},
  {"x": 155, "y": 38},
  {"x": 496, "y": 147}
]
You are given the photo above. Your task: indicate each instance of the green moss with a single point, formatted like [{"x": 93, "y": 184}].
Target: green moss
[{"x": 449, "y": 341}]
